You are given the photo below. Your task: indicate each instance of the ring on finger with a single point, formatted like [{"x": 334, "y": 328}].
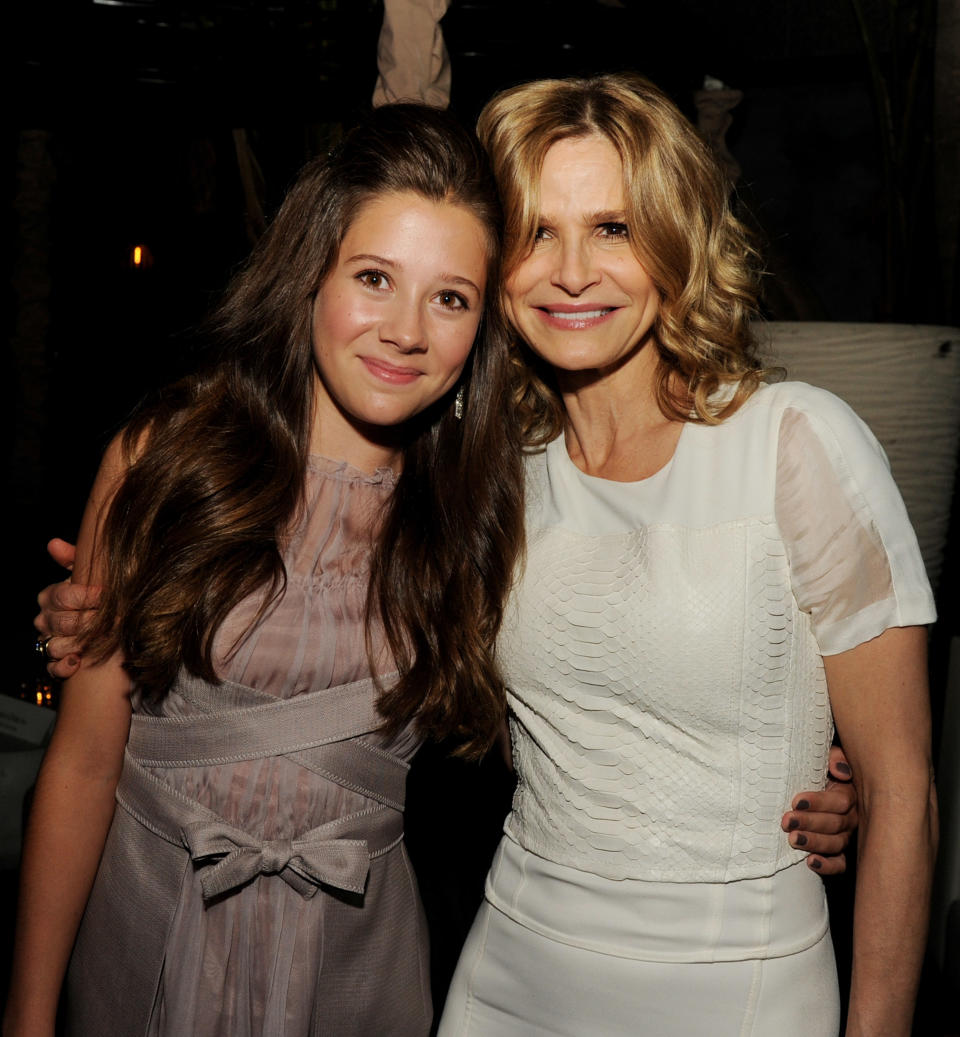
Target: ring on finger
[{"x": 40, "y": 647}]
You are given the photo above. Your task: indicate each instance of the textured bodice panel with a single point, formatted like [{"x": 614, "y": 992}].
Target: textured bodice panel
[
  {"x": 660, "y": 678},
  {"x": 663, "y": 644}
]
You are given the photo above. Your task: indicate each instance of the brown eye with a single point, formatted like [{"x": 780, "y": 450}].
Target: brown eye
[
  {"x": 373, "y": 278},
  {"x": 453, "y": 301}
]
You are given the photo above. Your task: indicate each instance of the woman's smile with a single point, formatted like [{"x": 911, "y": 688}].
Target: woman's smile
[{"x": 571, "y": 317}]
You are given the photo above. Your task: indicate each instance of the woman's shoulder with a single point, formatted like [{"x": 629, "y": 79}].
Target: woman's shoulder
[
  {"x": 762, "y": 414},
  {"x": 779, "y": 405},
  {"x": 812, "y": 400}
]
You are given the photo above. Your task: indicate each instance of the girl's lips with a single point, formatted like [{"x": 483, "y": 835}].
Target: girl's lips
[
  {"x": 575, "y": 318},
  {"x": 388, "y": 373}
]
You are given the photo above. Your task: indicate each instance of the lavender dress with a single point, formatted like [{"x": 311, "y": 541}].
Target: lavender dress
[{"x": 254, "y": 881}]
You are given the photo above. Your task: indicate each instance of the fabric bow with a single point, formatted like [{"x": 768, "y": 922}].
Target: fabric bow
[{"x": 302, "y": 863}]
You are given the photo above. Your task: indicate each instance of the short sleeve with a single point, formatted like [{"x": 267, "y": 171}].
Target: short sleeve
[{"x": 855, "y": 565}]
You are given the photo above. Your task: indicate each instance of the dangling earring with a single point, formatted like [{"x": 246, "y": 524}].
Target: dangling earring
[{"x": 458, "y": 404}]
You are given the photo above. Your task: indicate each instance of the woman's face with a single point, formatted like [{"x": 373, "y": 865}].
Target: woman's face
[
  {"x": 396, "y": 317},
  {"x": 581, "y": 299}
]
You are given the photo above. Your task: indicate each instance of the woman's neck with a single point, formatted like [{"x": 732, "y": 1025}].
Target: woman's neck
[{"x": 615, "y": 428}]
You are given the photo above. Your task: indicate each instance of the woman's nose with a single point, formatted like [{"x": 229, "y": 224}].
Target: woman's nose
[{"x": 576, "y": 270}]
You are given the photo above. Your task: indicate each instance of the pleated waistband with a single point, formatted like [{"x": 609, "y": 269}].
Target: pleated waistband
[
  {"x": 243, "y": 731},
  {"x": 766, "y": 917}
]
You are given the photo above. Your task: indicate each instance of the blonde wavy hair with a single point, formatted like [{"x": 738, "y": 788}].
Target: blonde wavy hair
[{"x": 680, "y": 225}]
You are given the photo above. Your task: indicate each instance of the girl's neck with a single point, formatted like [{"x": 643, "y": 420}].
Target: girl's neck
[
  {"x": 366, "y": 447},
  {"x": 359, "y": 451}
]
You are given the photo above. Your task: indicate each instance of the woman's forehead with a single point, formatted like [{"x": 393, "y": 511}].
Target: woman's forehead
[{"x": 581, "y": 173}]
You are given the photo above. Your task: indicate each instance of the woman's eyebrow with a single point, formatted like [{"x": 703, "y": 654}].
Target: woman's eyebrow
[
  {"x": 605, "y": 216},
  {"x": 590, "y": 219}
]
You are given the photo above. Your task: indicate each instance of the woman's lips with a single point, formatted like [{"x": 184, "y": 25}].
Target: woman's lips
[
  {"x": 574, "y": 318},
  {"x": 389, "y": 373}
]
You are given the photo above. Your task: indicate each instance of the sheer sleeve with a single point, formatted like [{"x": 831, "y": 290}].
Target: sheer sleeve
[{"x": 854, "y": 561}]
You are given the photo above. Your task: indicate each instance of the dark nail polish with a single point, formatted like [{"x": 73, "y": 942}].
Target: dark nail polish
[
  {"x": 801, "y": 840},
  {"x": 792, "y": 823},
  {"x": 844, "y": 768},
  {"x": 815, "y": 864},
  {"x": 804, "y": 804}
]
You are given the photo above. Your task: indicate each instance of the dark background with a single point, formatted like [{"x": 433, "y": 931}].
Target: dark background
[{"x": 131, "y": 122}]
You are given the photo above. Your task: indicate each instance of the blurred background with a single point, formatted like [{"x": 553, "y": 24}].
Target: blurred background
[{"x": 148, "y": 141}]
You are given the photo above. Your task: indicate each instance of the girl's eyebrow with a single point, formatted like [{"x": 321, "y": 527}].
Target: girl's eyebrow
[
  {"x": 457, "y": 279},
  {"x": 367, "y": 257}
]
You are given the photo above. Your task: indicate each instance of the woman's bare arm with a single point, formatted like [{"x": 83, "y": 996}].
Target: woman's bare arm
[
  {"x": 72, "y": 809},
  {"x": 880, "y": 700}
]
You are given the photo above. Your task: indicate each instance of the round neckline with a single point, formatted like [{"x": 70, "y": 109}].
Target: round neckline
[
  {"x": 346, "y": 472},
  {"x": 559, "y": 446}
]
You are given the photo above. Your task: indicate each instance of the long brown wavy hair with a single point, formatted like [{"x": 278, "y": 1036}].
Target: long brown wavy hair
[
  {"x": 681, "y": 229},
  {"x": 218, "y": 461}
]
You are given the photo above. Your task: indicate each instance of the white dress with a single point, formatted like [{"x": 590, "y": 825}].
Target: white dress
[{"x": 662, "y": 650}]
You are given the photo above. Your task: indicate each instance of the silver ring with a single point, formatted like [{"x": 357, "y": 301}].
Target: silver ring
[{"x": 40, "y": 647}]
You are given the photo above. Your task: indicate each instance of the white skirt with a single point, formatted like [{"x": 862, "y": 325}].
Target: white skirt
[
  {"x": 520, "y": 976},
  {"x": 513, "y": 982}
]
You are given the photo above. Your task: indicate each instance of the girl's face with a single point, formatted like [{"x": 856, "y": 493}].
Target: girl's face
[
  {"x": 396, "y": 317},
  {"x": 581, "y": 299}
]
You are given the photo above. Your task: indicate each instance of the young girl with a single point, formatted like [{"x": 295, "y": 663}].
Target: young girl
[{"x": 336, "y": 499}]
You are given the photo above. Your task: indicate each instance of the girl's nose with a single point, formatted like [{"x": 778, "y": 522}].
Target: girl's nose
[{"x": 403, "y": 328}]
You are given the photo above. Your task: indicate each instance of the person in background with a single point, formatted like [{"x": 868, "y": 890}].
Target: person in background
[{"x": 412, "y": 59}]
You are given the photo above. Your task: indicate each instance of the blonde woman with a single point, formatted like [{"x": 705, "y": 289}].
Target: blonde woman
[{"x": 717, "y": 570}]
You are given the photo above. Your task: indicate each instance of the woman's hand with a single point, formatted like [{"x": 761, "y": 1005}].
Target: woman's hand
[
  {"x": 822, "y": 822},
  {"x": 65, "y": 607}
]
